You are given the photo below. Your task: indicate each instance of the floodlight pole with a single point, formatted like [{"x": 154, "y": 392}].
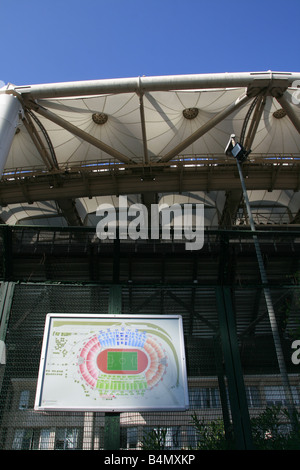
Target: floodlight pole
[{"x": 270, "y": 309}]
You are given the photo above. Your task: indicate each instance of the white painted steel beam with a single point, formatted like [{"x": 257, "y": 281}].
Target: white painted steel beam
[
  {"x": 206, "y": 127},
  {"x": 290, "y": 111},
  {"x": 160, "y": 83},
  {"x": 79, "y": 133},
  {"x": 10, "y": 107},
  {"x": 143, "y": 125},
  {"x": 255, "y": 122}
]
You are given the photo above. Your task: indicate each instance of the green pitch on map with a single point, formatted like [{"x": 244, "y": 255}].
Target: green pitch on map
[{"x": 121, "y": 360}]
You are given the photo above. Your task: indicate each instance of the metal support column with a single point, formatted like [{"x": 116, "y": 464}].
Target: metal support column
[
  {"x": 222, "y": 388},
  {"x": 237, "y": 394},
  {"x": 7, "y": 258},
  {"x": 10, "y": 108},
  {"x": 269, "y": 304},
  {"x": 112, "y": 420},
  {"x": 6, "y": 296}
]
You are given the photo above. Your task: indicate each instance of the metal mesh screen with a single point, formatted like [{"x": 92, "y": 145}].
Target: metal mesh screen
[{"x": 22, "y": 427}]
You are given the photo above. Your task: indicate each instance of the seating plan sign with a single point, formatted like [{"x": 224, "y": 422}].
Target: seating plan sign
[{"x": 112, "y": 363}]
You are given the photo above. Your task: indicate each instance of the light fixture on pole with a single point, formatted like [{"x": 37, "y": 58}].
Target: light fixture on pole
[
  {"x": 240, "y": 154},
  {"x": 236, "y": 150}
]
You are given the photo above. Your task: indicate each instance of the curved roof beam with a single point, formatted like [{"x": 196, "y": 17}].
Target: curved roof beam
[
  {"x": 259, "y": 107},
  {"x": 49, "y": 160}
]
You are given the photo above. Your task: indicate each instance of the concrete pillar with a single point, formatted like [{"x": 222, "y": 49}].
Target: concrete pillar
[{"x": 10, "y": 107}]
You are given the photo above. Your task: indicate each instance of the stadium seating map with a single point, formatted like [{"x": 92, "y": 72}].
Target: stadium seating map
[{"x": 112, "y": 363}]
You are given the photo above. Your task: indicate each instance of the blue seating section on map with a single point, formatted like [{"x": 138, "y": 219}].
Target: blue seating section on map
[{"x": 123, "y": 337}]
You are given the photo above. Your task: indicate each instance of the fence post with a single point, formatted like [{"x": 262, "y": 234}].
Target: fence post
[
  {"x": 112, "y": 420},
  {"x": 6, "y": 297},
  {"x": 237, "y": 394},
  {"x": 7, "y": 258}
]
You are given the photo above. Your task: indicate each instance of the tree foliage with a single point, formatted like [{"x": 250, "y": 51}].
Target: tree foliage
[{"x": 271, "y": 430}]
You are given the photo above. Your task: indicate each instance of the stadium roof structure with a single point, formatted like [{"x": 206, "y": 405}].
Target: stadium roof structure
[{"x": 67, "y": 147}]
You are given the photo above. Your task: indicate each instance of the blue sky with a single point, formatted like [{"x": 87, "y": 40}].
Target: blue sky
[{"x": 66, "y": 40}]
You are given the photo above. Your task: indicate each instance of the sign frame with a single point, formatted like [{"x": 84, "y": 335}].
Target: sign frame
[{"x": 161, "y": 389}]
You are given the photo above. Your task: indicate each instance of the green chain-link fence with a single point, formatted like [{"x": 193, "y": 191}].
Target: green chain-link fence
[{"x": 215, "y": 375}]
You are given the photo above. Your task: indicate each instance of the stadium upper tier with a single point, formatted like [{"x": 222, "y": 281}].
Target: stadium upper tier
[{"x": 68, "y": 147}]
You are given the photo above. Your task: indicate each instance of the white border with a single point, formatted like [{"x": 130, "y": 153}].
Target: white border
[{"x": 115, "y": 407}]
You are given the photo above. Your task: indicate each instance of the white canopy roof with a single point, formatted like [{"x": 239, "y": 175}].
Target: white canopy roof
[{"x": 151, "y": 136}]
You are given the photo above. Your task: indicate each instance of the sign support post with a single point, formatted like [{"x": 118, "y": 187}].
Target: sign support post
[{"x": 112, "y": 420}]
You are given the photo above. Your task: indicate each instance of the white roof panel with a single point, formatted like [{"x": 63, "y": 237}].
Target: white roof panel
[{"x": 145, "y": 119}]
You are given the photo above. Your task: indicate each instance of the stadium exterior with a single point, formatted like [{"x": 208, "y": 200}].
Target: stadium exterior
[{"x": 67, "y": 149}]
